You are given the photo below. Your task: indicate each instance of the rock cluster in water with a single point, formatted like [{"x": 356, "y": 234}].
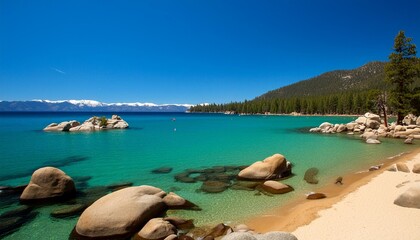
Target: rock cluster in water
[
  {"x": 258, "y": 176},
  {"x": 121, "y": 210},
  {"x": 371, "y": 128},
  {"x": 92, "y": 124}
]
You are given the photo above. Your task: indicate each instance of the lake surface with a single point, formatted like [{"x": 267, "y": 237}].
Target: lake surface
[{"x": 192, "y": 141}]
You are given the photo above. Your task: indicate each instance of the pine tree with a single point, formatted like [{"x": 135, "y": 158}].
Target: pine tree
[{"x": 401, "y": 72}]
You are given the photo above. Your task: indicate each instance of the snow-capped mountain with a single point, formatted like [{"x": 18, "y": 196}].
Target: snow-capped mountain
[{"x": 88, "y": 106}]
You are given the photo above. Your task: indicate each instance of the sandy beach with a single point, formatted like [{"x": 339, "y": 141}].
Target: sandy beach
[{"x": 362, "y": 208}]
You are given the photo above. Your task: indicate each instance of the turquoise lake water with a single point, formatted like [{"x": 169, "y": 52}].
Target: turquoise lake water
[{"x": 200, "y": 140}]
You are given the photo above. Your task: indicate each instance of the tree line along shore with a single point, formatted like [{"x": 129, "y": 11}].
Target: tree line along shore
[{"x": 382, "y": 88}]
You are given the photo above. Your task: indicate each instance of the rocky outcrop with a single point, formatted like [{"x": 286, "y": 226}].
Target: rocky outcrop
[
  {"x": 91, "y": 124},
  {"x": 273, "y": 167},
  {"x": 121, "y": 213},
  {"x": 48, "y": 183},
  {"x": 410, "y": 198},
  {"x": 371, "y": 127}
]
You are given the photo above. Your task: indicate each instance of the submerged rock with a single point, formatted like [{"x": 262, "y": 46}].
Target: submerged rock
[
  {"x": 68, "y": 211},
  {"x": 162, "y": 170},
  {"x": 276, "y": 187},
  {"x": 310, "y": 175},
  {"x": 214, "y": 186},
  {"x": 173, "y": 201},
  {"x": 48, "y": 183},
  {"x": 119, "y": 186},
  {"x": 17, "y": 212},
  {"x": 10, "y": 224}
]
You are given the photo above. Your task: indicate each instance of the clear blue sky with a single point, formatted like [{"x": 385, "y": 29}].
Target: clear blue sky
[{"x": 188, "y": 51}]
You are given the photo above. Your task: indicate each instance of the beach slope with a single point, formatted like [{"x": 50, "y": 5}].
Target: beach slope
[{"x": 369, "y": 212}]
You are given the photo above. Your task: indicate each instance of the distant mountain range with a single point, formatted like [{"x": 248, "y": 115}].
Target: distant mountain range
[{"x": 87, "y": 106}]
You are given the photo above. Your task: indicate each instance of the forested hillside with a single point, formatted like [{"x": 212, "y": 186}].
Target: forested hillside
[
  {"x": 369, "y": 76},
  {"x": 336, "y": 92}
]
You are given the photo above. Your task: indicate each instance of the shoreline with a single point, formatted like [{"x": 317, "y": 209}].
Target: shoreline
[{"x": 300, "y": 212}]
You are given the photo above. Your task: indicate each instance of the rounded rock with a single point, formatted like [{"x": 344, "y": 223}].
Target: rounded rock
[{"x": 48, "y": 182}]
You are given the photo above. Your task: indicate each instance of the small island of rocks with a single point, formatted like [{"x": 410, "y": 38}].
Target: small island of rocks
[{"x": 92, "y": 124}]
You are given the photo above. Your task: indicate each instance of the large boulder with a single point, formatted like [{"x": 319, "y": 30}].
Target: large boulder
[
  {"x": 372, "y": 116},
  {"x": 325, "y": 126},
  {"x": 156, "y": 228},
  {"x": 374, "y": 124},
  {"x": 270, "y": 168},
  {"x": 276, "y": 187},
  {"x": 418, "y": 121},
  {"x": 121, "y": 213},
  {"x": 341, "y": 128},
  {"x": 46, "y": 183},
  {"x": 350, "y": 126},
  {"x": 410, "y": 198},
  {"x": 416, "y": 168},
  {"x": 369, "y": 135},
  {"x": 402, "y": 167},
  {"x": 361, "y": 120}
]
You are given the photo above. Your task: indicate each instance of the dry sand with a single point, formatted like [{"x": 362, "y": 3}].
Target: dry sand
[{"x": 363, "y": 209}]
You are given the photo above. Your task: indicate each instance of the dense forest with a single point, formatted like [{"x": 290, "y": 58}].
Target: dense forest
[{"x": 337, "y": 92}]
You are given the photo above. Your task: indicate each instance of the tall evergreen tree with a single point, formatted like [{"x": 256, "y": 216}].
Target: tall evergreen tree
[{"x": 401, "y": 72}]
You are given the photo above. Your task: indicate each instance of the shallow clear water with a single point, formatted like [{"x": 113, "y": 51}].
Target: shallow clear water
[{"x": 200, "y": 140}]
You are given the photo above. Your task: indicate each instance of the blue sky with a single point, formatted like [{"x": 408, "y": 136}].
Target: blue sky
[{"x": 187, "y": 51}]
